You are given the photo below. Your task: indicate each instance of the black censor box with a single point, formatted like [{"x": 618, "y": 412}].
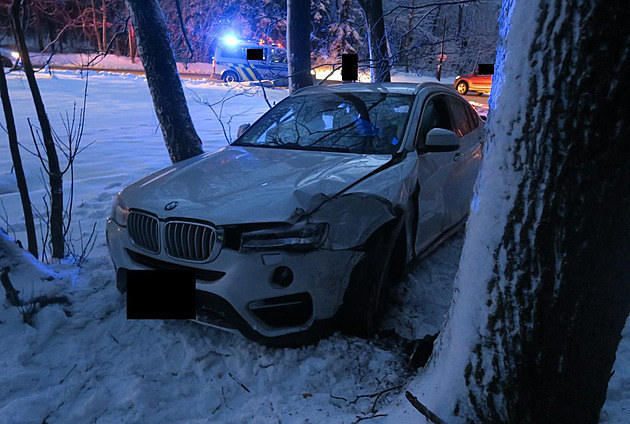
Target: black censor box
[
  {"x": 485, "y": 69},
  {"x": 349, "y": 67},
  {"x": 161, "y": 294},
  {"x": 254, "y": 54}
]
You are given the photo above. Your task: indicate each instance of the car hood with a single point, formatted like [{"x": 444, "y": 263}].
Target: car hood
[{"x": 240, "y": 185}]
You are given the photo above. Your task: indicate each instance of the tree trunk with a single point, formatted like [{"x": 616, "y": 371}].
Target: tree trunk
[
  {"x": 132, "y": 44},
  {"x": 17, "y": 163},
  {"x": 299, "y": 43},
  {"x": 38, "y": 29},
  {"x": 131, "y": 37},
  {"x": 540, "y": 301},
  {"x": 50, "y": 25},
  {"x": 408, "y": 36},
  {"x": 104, "y": 39},
  {"x": 165, "y": 85},
  {"x": 54, "y": 172},
  {"x": 98, "y": 36},
  {"x": 379, "y": 59}
]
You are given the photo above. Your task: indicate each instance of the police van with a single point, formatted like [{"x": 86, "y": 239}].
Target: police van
[{"x": 231, "y": 65}]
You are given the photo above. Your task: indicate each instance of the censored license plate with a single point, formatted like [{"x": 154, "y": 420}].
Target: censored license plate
[{"x": 161, "y": 294}]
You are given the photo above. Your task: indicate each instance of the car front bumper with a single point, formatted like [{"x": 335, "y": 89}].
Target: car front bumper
[{"x": 236, "y": 291}]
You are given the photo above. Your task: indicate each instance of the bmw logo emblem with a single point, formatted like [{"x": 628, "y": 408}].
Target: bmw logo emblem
[{"x": 170, "y": 206}]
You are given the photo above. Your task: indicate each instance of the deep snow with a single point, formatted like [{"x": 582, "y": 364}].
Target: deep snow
[{"x": 86, "y": 363}]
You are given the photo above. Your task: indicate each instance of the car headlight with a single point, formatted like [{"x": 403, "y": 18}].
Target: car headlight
[
  {"x": 299, "y": 237},
  {"x": 15, "y": 55},
  {"x": 119, "y": 212},
  {"x": 457, "y": 77}
]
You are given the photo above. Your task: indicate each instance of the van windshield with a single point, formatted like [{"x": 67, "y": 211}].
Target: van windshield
[{"x": 369, "y": 123}]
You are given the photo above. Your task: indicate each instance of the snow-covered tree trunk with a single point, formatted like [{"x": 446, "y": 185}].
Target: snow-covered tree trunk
[
  {"x": 379, "y": 57},
  {"x": 155, "y": 50},
  {"x": 543, "y": 289},
  {"x": 299, "y": 43}
]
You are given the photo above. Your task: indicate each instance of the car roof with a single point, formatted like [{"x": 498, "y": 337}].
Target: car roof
[{"x": 374, "y": 87}]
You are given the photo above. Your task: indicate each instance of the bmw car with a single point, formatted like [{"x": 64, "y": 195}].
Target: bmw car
[{"x": 301, "y": 224}]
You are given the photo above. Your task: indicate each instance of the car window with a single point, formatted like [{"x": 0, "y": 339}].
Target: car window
[
  {"x": 278, "y": 56},
  {"x": 473, "y": 117},
  {"x": 360, "y": 122},
  {"x": 461, "y": 118},
  {"x": 233, "y": 53},
  {"x": 434, "y": 115},
  {"x": 238, "y": 52}
]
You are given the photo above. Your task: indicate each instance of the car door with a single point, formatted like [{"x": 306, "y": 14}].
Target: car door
[
  {"x": 434, "y": 174},
  {"x": 259, "y": 68},
  {"x": 481, "y": 83},
  {"x": 467, "y": 159}
]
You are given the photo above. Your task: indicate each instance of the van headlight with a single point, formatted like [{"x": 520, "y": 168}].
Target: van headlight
[
  {"x": 119, "y": 212},
  {"x": 303, "y": 236}
]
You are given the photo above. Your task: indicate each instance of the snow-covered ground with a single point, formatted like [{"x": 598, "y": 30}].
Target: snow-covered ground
[{"x": 85, "y": 363}]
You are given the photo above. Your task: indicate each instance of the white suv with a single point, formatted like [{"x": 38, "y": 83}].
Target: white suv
[{"x": 300, "y": 225}]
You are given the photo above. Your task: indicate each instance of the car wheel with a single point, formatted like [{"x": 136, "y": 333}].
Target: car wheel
[
  {"x": 462, "y": 87},
  {"x": 6, "y": 62},
  {"x": 368, "y": 288},
  {"x": 230, "y": 76}
]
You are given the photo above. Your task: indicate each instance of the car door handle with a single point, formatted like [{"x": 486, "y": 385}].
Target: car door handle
[{"x": 456, "y": 157}]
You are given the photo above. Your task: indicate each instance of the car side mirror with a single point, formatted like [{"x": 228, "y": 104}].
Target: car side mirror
[
  {"x": 242, "y": 129},
  {"x": 441, "y": 140}
]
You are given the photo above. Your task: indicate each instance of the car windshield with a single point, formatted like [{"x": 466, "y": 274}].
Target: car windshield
[{"x": 369, "y": 123}]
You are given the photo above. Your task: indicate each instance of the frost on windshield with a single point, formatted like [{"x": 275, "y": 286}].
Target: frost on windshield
[{"x": 349, "y": 122}]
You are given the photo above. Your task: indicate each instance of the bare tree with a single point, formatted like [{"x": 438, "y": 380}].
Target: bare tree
[
  {"x": 17, "y": 164},
  {"x": 52, "y": 161},
  {"x": 299, "y": 43},
  {"x": 165, "y": 85},
  {"x": 541, "y": 303}
]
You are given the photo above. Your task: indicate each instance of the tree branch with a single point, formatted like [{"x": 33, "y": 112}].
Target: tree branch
[{"x": 423, "y": 409}]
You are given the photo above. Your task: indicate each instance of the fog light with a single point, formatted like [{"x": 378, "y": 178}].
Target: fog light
[{"x": 282, "y": 276}]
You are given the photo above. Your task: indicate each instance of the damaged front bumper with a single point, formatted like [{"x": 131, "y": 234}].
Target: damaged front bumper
[{"x": 263, "y": 294}]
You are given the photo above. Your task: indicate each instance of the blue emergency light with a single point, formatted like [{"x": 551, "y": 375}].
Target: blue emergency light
[{"x": 230, "y": 40}]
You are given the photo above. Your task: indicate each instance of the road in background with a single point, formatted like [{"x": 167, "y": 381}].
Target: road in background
[{"x": 483, "y": 98}]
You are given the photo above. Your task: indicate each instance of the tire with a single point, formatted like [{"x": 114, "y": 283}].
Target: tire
[
  {"x": 367, "y": 291},
  {"x": 6, "y": 62},
  {"x": 462, "y": 87},
  {"x": 230, "y": 76}
]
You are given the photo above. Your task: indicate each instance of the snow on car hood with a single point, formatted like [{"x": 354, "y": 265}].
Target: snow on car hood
[{"x": 240, "y": 185}]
